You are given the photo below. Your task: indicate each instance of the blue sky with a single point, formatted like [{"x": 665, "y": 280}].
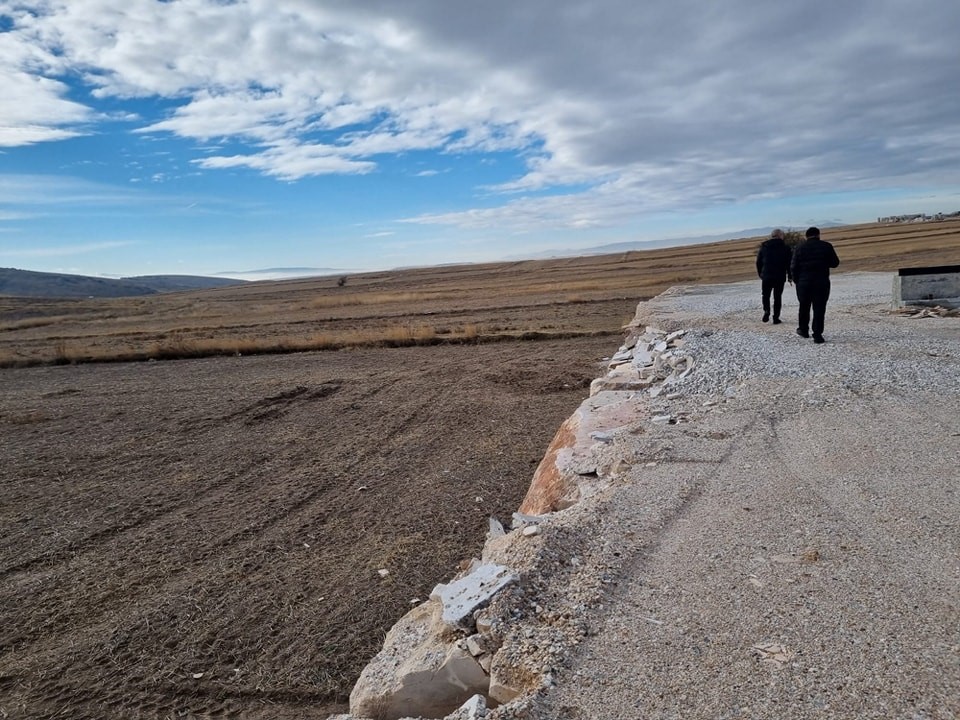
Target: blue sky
[{"x": 214, "y": 136}]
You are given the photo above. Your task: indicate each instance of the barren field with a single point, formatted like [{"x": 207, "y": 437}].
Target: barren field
[{"x": 202, "y": 537}]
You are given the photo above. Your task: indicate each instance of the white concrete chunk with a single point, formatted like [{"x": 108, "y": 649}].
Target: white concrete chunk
[{"x": 461, "y": 597}]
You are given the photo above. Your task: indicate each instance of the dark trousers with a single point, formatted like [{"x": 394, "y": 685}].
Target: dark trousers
[
  {"x": 813, "y": 295},
  {"x": 776, "y": 287}
]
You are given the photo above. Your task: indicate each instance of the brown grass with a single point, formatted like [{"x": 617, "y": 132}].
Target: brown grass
[{"x": 563, "y": 297}]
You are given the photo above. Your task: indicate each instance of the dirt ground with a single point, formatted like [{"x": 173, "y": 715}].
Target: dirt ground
[{"x": 202, "y": 538}]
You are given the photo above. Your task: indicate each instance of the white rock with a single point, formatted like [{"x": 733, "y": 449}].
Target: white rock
[
  {"x": 481, "y": 644},
  {"x": 519, "y": 520},
  {"x": 642, "y": 358},
  {"x": 531, "y": 530},
  {"x": 485, "y": 662},
  {"x": 462, "y": 597},
  {"x": 474, "y": 708}
]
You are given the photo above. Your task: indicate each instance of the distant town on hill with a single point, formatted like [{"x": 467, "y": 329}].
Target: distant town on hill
[{"x": 917, "y": 217}]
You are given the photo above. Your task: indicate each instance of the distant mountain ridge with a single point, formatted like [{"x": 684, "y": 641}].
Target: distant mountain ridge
[
  {"x": 631, "y": 245},
  {"x": 29, "y": 283}
]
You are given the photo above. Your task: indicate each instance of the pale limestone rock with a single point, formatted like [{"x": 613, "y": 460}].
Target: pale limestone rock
[
  {"x": 473, "y": 709},
  {"x": 481, "y": 644},
  {"x": 463, "y": 596},
  {"x": 601, "y": 436},
  {"x": 642, "y": 357},
  {"x": 519, "y": 520},
  {"x": 417, "y": 673},
  {"x": 621, "y": 379}
]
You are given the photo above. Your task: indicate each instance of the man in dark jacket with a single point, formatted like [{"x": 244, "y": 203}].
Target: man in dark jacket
[
  {"x": 773, "y": 267},
  {"x": 810, "y": 269}
]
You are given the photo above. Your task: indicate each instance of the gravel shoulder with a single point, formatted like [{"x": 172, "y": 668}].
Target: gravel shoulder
[{"x": 790, "y": 549}]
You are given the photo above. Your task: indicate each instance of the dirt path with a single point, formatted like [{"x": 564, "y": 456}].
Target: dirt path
[{"x": 204, "y": 537}]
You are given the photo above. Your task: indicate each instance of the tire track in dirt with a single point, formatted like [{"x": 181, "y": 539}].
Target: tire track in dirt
[
  {"x": 265, "y": 558},
  {"x": 263, "y": 410}
]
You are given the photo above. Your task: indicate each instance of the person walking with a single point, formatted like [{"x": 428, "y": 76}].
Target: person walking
[
  {"x": 773, "y": 267},
  {"x": 810, "y": 270}
]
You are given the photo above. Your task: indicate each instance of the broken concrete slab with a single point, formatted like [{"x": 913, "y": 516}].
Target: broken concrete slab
[{"x": 462, "y": 597}]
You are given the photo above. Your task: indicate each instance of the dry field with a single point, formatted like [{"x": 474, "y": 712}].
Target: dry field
[
  {"x": 561, "y": 298},
  {"x": 202, "y": 537}
]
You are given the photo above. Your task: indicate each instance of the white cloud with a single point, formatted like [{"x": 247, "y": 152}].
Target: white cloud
[{"x": 633, "y": 106}]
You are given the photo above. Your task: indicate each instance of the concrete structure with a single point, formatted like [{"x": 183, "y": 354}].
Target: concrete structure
[{"x": 927, "y": 286}]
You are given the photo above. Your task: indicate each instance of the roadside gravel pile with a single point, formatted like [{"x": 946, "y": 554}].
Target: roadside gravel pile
[{"x": 869, "y": 348}]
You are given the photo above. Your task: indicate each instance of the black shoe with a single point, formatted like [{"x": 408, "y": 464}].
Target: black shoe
[
  {"x": 777, "y": 321},
  {"x": 818, "y": 339},
  {"x": 802, "y": 333},
  {"x": 766, "y": 316}
]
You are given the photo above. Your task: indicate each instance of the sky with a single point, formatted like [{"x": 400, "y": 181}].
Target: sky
[{"x": 209, "y": 137}]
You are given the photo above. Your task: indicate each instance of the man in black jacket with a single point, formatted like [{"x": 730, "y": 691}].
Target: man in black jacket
[
  {"x": 810, "y": 269},
  {"x": 773, "y": 267}
]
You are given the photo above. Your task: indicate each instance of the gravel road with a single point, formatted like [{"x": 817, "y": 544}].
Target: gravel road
[{"x": 791, "y": 549}]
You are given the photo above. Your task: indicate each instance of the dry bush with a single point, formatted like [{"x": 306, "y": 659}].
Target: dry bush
[
  {"x": 471, "y": 331},
  {"x": 409, "y": 335},
  {"x": 177, "y": 345},
  {"x": 28, "y": 323},
  {"x": 378, "y": 298}
]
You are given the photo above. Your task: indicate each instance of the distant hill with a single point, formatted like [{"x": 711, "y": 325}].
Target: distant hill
[
  {"x": 628, "y": 246},
  {"x": 174, "y": 283},
  {"x": 27, "y": 283}
]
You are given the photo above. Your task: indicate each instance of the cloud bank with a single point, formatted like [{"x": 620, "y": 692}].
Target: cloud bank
[{"x": 616, "y": 108}]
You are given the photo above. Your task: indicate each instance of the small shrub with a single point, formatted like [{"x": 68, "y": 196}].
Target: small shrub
[{"x": 793, "y": 238}]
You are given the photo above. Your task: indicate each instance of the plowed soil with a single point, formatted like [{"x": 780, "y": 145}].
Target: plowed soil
[{"x": 202, "y": 538}]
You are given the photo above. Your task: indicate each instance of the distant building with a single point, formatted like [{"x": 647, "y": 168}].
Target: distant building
[{"x": 916, "y": 217}]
